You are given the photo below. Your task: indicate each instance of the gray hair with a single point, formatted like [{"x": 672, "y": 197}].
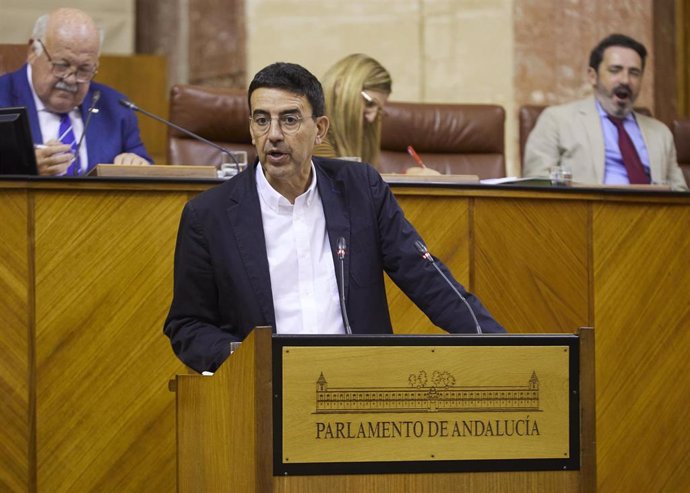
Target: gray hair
[{"x": 40, "y": 28}]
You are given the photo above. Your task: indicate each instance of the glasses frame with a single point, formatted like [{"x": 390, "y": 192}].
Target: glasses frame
[
  {"x": 75, "y": 70},
  {"x": 258, "y": 130},
  {"x": 370, "y": 102}
]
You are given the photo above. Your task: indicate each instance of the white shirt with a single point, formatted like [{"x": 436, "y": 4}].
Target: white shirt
[
  {"x": 303, "y": 282},
  {"x": 50, "y": 123}
]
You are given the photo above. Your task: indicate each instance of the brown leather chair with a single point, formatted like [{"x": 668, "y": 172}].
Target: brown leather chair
[
  {"x": 217, "y": 114},
  {"x": 527, "y": 119},
  {"x": 12, "y": 56},
  {"x": 681, "y": 135},
  {"x": 450, "y": 138}
]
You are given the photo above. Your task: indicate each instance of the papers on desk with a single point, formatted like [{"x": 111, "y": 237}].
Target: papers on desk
[
  {"x": 529, "y": 181},
  {"x": 545, "y": 181},
  {"x": 441, "y": 179},
  {"x": 507, "y": 179}
]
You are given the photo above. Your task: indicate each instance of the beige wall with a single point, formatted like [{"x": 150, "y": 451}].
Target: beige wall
[
  {"x": 507, "y": 52},
  {"x": 17, "y": 19},
  {"x": 436, "y": 50}
]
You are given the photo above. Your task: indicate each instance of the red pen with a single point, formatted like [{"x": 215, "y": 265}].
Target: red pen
[{"x": 415, "y": 156}]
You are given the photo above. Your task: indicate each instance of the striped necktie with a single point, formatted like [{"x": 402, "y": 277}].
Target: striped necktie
[{"x": 66, "y": 136}]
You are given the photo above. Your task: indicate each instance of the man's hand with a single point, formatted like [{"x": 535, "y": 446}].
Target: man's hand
[
  {"x": 53, "y": 158},
  {"x": 416, "y": 170},
  {"x": 130, "y": 159}
]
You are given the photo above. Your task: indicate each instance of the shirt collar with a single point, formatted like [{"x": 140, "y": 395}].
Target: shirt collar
[
  {"x": 602, "y": 113},
  {"x": 276, "y": 201},
  {"x": 37, "y": 101}
]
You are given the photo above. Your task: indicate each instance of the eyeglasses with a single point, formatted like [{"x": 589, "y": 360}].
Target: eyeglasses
[
  {"x": 62, "y": 70},
  {"x": 289, "y": 123},
  {"x": 372, "y": 104}
]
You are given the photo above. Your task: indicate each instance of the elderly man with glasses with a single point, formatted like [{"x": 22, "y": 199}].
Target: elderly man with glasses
[
  {"x": 57, "y": 89},
  {"x": 298, "y": 242}
]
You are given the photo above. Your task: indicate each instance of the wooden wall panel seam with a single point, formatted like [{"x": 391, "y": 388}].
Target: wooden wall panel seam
[
  {"x": 31, "y": 256},
  {"x": 590, "y": 263}
]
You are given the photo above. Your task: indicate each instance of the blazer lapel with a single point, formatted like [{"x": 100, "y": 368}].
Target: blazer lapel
[
  {"x": 244, "y": 214},
  {"x": 335, "y": 209},
  {"x": 22, "y": 96},
  {"x": 654, "y": 149},
  {"x": 591, "y": 122},
  {"x": 92, "y": 148}
]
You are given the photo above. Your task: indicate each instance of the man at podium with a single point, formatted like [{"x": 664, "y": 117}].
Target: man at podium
[{"x": 300, "y": 243}]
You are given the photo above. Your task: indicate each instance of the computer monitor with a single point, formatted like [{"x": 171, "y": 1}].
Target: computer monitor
[{"x": 16, "y": 145}]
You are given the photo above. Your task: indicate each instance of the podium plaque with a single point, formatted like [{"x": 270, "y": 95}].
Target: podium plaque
[{"x": 444, "y": 404}]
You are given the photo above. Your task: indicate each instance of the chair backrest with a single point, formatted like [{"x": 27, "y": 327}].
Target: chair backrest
[
  {"x": 681, "y": 135},
  {"x": 450, "y": 138},
  {"x": 527, "y": 119},
  {"x": 12, "y": 56},
  {"x": 217, "y": 114}
]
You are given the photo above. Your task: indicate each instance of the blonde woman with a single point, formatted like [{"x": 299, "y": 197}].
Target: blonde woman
[{"x": 356, "y": 90}]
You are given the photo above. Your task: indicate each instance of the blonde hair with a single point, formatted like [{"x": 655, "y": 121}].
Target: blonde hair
[{"x": 343, "y": 83}]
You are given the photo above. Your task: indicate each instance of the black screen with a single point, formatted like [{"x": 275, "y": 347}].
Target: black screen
[{"x": 16, "y": 146}]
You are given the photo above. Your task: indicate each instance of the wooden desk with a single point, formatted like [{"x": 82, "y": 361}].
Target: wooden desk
[{"x": 86, "y": 281}]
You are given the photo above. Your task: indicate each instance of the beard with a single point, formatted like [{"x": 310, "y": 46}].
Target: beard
[{"x": 618, "y": 101}]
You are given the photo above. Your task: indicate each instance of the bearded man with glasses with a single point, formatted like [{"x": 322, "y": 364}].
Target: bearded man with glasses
[
  {"x": 56, "y": 86},
  {"x": 281, "y": 242}
]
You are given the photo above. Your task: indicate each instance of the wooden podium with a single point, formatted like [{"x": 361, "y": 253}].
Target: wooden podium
[{"x": 391, "y": 413}]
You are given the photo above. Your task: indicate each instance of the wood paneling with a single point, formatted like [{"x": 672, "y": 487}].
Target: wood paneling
[
  {"x": 243, "y": 430},
  {"x": 541, "y": 261},
  {"x": 103, "y": 277},
  {"x": 531, "y": 263},
  {"x": 642, "y": 301},
  {"x": 15, "y": 327},
  {"x": 143, "y": 80},
  {"x": 104, "y": 416},
  {"x": 225, "y": 442},
  {"x": 450, "y": 242},
  {"x": 509, "y": 482}
]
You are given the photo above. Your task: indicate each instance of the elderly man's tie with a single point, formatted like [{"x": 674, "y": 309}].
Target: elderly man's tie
[{"x": 66, "y": 136}]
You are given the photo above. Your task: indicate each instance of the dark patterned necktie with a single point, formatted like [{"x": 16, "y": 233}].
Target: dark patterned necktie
[
  {"x": 631, "y": 159},
  {"x": 66, "y": 136}
]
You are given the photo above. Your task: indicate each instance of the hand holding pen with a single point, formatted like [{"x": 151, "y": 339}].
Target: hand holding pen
[
  {"x": 53, "y": 158},
  {"x": 415, "y": 156},
  {"x": 421, "y": 168}
]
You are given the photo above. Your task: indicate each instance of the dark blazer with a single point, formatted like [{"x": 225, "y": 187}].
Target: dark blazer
[
  {"x": 222, "y": 281},
  {"x": 112, "y": 131}
]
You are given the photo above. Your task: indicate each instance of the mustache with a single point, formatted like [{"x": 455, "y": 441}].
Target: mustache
[
  {"x": 272, "y": 148},
  {"x": 623, "y": 89},
  {"x": 64, "y": 86}
]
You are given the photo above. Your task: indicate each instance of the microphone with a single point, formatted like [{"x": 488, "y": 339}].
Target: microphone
[
  {"x": 342, "y": 251},
  {"x": 134, "y": 107},
  {"x": 89, "y": 113},
  {"x": 424, "y": 252}
]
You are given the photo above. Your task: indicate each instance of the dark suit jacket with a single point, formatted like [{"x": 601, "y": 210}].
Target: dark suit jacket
[
  {"x": 222, "y": 280},
  {"x": 112, "y": 131}
]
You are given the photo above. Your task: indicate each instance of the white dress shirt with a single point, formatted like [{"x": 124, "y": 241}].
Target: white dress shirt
[
  {"x": 50, "y": 123},
  {"x": 303, "y": 282}
]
